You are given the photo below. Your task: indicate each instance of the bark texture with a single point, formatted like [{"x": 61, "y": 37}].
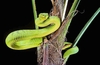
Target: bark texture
[{"x": 50, "y": 52}]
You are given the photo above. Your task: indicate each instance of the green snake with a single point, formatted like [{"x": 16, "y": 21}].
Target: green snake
[{"x": 26, "y": 39}]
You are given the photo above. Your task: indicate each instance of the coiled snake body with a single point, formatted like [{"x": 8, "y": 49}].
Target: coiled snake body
[{"x": 25, "y": 39}]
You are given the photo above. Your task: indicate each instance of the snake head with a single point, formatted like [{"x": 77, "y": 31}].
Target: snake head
[{"x": 43, "y": 16}]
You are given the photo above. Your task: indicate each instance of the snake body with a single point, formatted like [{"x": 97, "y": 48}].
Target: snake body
[{"x": 26, "y": 39}]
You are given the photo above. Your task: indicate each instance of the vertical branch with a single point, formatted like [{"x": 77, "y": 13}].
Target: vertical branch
[{"x": 34, "y": 11}]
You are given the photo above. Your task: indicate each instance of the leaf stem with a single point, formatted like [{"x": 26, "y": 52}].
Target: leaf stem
[
  {"x": 34, "y": 11},
  {"x": 86, "y": 26}
]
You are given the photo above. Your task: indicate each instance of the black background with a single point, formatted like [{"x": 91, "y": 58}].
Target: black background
[{"x": 17, "y": 14}]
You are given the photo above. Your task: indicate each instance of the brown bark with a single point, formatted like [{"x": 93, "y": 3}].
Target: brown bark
[{"x": 50, "y": 52}]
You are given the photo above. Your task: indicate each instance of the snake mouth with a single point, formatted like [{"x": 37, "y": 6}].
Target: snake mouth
[
  {"x": 15, "y": 46},
  {"x": 20, "y": 43}
]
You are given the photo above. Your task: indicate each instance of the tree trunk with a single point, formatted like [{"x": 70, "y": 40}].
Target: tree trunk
[{"x": 50, "y": 52}]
